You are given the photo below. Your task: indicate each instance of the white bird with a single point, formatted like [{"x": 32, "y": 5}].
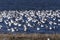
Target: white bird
[
  {"x": 9, "y": 23},
  {"x": 25, "y": 28},
  {"x": 12, "y": 21},
  {"x": 1, "y": 26},
  {"x": 48, "y": 38},
  {"x": 19, "y": 24},
  {"x": 12, "y": 30},
  {"x": 38, "y": 28},
  {"x": 42, "y": 25},
  {"x": 1, "y": 18},
  {"x": 50, "y": 28},
  {"x": 15, "y": 23}
]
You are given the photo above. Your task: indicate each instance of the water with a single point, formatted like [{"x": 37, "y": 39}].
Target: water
[{"x": 29, "y": 4}]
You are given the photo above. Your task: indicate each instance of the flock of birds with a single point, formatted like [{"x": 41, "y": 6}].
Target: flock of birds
[{"x": 30, "y": 21}]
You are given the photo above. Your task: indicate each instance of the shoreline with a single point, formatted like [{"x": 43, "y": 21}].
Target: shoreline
[{"x": 29, "y": 36}]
